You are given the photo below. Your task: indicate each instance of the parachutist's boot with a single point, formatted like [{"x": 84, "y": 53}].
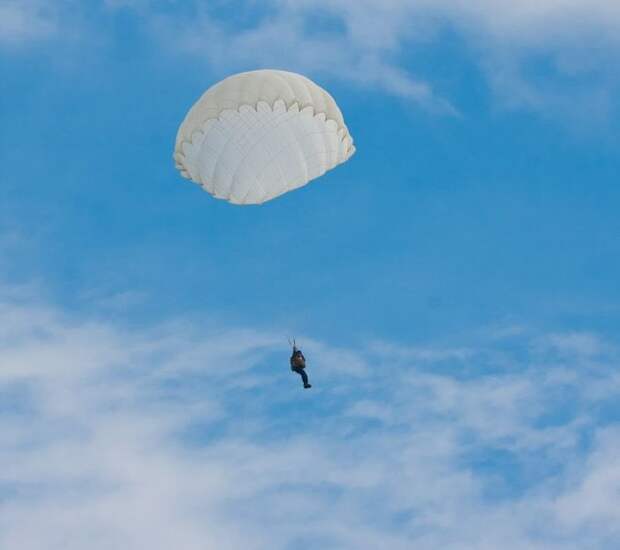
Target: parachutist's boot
[{"x": 307, "y": 386}]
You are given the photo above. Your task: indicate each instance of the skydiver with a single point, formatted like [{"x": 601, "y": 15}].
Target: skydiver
[{"x": 298, "y": 364}]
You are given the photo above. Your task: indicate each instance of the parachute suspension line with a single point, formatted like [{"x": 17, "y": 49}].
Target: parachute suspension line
[{"x": 292, "y": 343}]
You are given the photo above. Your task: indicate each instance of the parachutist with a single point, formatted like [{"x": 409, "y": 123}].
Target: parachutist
[{"x": 298, "y": 365}]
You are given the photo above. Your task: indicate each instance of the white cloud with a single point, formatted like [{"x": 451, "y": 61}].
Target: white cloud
[
  {"x": 357, "y": 50},
  {"x": 574, "y": 343},
  {"x": 196, "y": 436},
  {"x": 556, "y": 57},
  {"x": 25, "y": 21},
  {"x": 592, "y": 500},
  {"x": 369, "y": 43}
]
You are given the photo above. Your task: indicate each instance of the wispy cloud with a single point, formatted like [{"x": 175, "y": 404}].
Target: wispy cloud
[
  {"x": 552, "y": 56},
  {"x": 26, "y": 21},
  {"x": 197, "y": 436},
  {"x": 340, "y": 42}
]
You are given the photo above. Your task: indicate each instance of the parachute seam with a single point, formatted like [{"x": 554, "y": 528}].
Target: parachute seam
[
  {"x": 215, "y": 165},
  {"x": 293, "y": 94},
  {"x": 258, "y": 183},
  {"x": 228, "y": 142},
  {"x": 317, "y": 115}
]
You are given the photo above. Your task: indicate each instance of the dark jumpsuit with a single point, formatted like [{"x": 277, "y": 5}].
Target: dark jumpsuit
[{"x": 298, "y": 369}]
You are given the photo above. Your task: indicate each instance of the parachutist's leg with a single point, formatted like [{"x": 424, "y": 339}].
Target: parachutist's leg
[{"x": 304, "y": 376}]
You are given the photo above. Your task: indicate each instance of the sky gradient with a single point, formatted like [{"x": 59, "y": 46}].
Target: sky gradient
[{"x": 454, "y": 285}]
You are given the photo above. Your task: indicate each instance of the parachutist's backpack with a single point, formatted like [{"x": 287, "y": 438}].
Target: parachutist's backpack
[{"x": 298, "y": 360}]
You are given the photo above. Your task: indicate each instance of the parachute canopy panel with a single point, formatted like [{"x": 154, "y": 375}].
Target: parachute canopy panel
[{"x": 257, "y": 135}]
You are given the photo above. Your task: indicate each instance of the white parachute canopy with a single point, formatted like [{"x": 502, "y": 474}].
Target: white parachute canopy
[{"x": 256, "y": 135}]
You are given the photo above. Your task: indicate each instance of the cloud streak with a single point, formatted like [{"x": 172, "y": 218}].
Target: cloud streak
[{"x": 25, "y": 22}]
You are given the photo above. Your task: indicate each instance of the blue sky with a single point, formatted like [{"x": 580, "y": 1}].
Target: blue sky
[{"x": 454, "y": 284}]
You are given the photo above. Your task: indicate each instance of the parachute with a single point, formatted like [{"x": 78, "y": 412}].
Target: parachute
[{"x": 257, "y": 135}]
